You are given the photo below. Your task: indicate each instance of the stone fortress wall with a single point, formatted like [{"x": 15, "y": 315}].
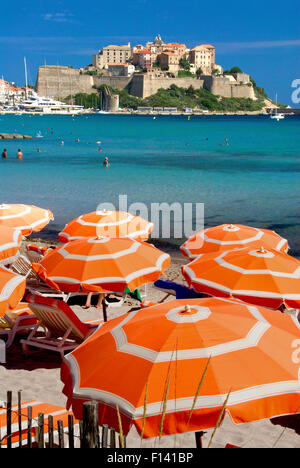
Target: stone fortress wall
[{"x": 60, "y": 82}]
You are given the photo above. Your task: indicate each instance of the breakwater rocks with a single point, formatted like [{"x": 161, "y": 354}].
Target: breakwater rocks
[{"x": 14, "y": 136}]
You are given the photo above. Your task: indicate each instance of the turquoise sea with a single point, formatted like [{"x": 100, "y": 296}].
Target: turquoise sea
[{"x": 254, "y": 180}]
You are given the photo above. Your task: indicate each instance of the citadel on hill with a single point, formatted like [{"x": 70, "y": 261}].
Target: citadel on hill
[{"x": 142, "y": 70}]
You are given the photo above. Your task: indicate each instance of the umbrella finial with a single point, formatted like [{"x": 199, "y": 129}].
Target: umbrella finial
[
  {"x": 187, "y": 309},
  {"x": 262, "y": 250}
]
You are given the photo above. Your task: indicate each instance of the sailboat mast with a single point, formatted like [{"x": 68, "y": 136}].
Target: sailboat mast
[{"x": 25, "y": 66}]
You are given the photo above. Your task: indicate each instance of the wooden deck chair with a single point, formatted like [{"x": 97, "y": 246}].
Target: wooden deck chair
[
  {"x": 18, "y": 320},
  {"x": 64, "y": 330},
  {"x": 36, "y": 252},
  {"x": 23, "y": 266},
  {"x": 59, "y": 413}
]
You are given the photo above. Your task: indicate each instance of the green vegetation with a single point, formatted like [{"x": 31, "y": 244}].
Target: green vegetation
[
  {"x": 261, "y": 94},
  {"x": 233, "y": 70},
  {"x": 185, "y": 74},
  {"x": 88, "y": 101},
  {"x": 185, "y": 64},
  {"x": 89, "y": 72}
]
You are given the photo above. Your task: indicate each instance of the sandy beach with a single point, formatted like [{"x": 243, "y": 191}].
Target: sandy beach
[{"x": 38, "y": 377}]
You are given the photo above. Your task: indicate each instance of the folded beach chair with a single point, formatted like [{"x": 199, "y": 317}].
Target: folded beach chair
[
  {"x": 64, "y": 330},
  {"x": 18, "y": 320},
  {"x": 58, "y": 413},
  {"x": 178, "y": 290},
  {"x": 35, "y": 252},
  {"x": 23, "y": 267}
]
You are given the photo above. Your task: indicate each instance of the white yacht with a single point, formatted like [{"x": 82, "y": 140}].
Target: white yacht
[
  {"x": 277, "y": 115},
  {"x": 35, "y": 103}
]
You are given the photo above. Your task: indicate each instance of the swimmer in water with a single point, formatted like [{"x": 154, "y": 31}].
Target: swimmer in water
[
  {"x": 77, "y": 140},
  {"x": 62, "y": 143},
  {"x": 99, "y": 149},
  {"x": 19, "y": 154},
  {"x": 38, "y": 150},
  {"x": 4, "y": 154},
  {"x": 105, "y": 162}
]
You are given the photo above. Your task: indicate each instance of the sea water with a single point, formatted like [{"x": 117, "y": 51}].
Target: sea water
[{"x": 252, "y": 180}]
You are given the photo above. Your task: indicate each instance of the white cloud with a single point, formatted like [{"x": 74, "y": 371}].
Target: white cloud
[
  {"x": 59, "y": 17},
  {"x": 227, "y": 47}
]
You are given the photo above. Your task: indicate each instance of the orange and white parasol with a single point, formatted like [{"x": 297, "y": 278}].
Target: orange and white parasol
[
  {"x": 106, "y": 224},
  {"x": 102, "y": 265},
  {"x": 10, "y": 241},
  {"x": 26, "y": 218},
  {"x": 152, "y": 362},
  {"x": 229, "y": 237},
  {"x": 260, "y": 276},
  {"x": 12, "y": 289}
]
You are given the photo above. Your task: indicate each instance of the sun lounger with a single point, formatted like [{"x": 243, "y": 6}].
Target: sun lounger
[
  {"x": 178, "y": 290},
  {"x": 23, "y": 267},
  {"x": 58, "y": 413},
  {"x": 20, "y": 319},
  {"x": 64, "y": 330},
  {"x": 36, "y": 252}
]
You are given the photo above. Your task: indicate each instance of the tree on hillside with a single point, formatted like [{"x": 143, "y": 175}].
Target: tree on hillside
[
  {"x": 185, "y": 64},
  {"x": 233, "y": 70},
  {"x": 199, "y": 72}
]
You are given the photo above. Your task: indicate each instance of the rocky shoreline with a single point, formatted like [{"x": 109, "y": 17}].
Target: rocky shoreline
[{"x": 14, "y": 136}]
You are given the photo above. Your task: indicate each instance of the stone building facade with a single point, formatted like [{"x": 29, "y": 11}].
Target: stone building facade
[
  {"x": 203, "y": 56},
  {"x": 112, "y": 54}
]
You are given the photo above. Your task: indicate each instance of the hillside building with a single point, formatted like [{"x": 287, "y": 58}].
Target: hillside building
[
  {"x": 112, "y": 54},
  {"x": 203, "y": 56}
]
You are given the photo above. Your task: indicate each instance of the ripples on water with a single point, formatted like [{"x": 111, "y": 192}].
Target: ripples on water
[{"x": 254, "y": 180}]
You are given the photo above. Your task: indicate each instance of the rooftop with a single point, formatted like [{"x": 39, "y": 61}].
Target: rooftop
[{"x": 203, "y": 46}]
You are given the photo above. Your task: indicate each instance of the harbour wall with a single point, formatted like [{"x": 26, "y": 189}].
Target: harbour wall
[{"x": 60, "y": 82}]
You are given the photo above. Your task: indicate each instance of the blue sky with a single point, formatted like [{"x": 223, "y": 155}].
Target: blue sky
[{"x": 262, "y": 37}]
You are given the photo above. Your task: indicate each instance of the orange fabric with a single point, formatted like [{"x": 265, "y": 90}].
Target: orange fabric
[
  {"x": 59, "y": 413},
  {"x": 229, "y": 237},
  {"x": 36, "y": 248},
  {"x": 106, "y": 224},
  {"x": 12, "y": 289},
  {"x": 10, "y": 241},
  {"x": 27, "y": 218},
  {"x": 102, "y": 265},
  {"x": 21, "y": 310},
  {"x": 263, "y": 277},
  {"x": 166, "y": 349}
]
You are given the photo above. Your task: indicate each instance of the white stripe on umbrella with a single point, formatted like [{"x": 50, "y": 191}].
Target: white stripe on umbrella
[
  {"x": 114, "y": 279},
  {"x": 10, "y": 286},
  {"x": 180, "y": 404}
]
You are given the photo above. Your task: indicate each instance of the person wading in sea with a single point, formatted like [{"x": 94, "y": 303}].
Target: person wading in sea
[
  {"x": 105, "y": 162},
  {"x": 4, "y": 154},
  {"x": 19, "y": 154}
]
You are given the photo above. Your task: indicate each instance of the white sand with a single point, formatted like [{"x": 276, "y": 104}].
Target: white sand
[{"x": 38, "y": 376}]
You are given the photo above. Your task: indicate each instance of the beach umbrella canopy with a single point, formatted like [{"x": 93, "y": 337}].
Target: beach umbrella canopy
[
  {"x": 229, "y": 237},
  {"x": 10, "y": 241},
  {"x": 12, "y": 289},
  {"x": 106, "y": 224},
  {"x": 169, "y": 368},
  {"x": 261, "y": 276},
  {"x": 26, "y": 218},
  {"x": 102, "y": 265}
]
